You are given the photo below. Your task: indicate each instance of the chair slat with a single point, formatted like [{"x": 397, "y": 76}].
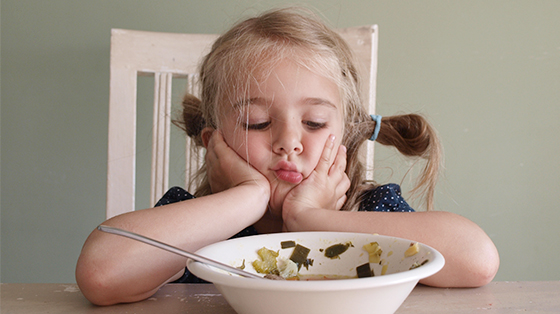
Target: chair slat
[
  {"x": 161, "y": 134},
  {"x": 121, "y": 151},
  {"x": 195, "y": 155}
]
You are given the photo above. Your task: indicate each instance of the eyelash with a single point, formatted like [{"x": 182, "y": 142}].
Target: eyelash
[
  {"x": 315, "y": 125},
  {"x": 263, "y": 126},
  {"x": 257, "y": 126}
]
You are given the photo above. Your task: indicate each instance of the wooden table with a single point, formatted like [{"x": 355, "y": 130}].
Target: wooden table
[{"x": 496, "y": 297}]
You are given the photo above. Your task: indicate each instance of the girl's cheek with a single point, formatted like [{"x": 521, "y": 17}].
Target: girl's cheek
[
  {"x": 235, "y": 142},
  {"x": 241, "y": 143},
  {"x": 251, "y": 152}
]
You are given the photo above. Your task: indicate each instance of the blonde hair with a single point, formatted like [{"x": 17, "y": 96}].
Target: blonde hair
[{"x": 251, "y": 48}]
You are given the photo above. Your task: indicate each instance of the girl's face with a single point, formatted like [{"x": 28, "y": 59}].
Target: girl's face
[{"x": 282, "y": 126}]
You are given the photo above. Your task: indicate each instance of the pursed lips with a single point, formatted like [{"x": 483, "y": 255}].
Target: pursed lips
[{"x": 287, "y": 171}]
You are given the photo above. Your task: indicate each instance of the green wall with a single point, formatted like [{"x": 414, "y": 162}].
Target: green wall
[{"x": 486, "y": 73}]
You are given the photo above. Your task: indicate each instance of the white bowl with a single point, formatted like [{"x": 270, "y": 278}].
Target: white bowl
[{"x": 378, "y": 294}]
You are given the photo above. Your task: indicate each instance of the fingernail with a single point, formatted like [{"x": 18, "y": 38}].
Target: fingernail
[
  {"x": 331, "y": 137},
  {"x": 343, "y": 148}
]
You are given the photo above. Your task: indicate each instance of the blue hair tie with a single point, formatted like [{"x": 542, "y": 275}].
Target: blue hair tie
[{"x": 377, "y": 119}]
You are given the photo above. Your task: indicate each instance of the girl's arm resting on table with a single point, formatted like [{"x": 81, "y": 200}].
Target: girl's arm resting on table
[
  {"x": 471, "y": 259},
  {"x": 113, "y": 269}
]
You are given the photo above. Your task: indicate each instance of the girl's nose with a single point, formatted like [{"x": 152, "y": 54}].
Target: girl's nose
[{"x": 287, "y": 139}]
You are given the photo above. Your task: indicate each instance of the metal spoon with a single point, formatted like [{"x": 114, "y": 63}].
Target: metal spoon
[{"x": 178, "y": 251}]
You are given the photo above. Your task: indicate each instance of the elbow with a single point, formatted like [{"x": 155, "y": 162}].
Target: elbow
[
  {"x": 467, "y": 271},
  {"x": 478, "y": 268},
  {"x": 474, "y": 265},
  {"x": 93, "y": 285},
  {"x": 105, "y": 285},
  {"x": 102, "y": 284},
  {"x": 486, "y": 267},
  {"x": 478, "y": 261}
]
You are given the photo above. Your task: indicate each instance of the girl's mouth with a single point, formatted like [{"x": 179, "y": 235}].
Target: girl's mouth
[
  {"x": 287, "y": 171},
  {"x": 293, "y": 177}
]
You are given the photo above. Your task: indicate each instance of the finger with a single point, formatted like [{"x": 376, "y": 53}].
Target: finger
[
  {"x": 217, "y": 138},
  {"x": 344, "y": 185},
  {"x": 325, "y": 160},
  {"x": 218, "y": 144},
  {"x": 341, "y": 201},
  {"x": 340, "y": 191},
  {"x": 340, "y": 161},
  {"x": 212, "y": 140}
]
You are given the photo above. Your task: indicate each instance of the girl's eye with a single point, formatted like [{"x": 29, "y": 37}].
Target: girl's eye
[
  {"x": 314, "y": 125},
  {"x": 256, "y": 126}
]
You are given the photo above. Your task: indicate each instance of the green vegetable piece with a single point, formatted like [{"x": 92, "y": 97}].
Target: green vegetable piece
[
  {"x": 364, "y": 271},
  {"x": 242, "y": 265},
  {"x": 287, "y": 244},
  {"x": 334, "y": 251},
  {"x": 299, "y": 255},
  {"x": 268, "y": 263},
  {"x": 308, "y": 262}
]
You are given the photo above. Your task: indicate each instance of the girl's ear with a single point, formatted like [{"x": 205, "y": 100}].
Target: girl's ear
[{"x": 205, "y": 134}]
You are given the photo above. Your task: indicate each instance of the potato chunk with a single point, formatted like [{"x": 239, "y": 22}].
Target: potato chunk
[
  {"x": 412, "y": 250},
  {"x": 374, "y": 251}
]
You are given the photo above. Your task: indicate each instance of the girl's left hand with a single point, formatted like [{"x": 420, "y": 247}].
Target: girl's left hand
[{"x": 324, "y": 188}]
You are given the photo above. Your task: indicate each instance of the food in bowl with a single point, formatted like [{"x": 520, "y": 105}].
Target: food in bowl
[
  {"x": 270, "y": 263},
  {"x": 394, "y": 275}
]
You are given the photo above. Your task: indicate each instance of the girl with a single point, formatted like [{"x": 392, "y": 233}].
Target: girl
[{"x": 282, "y": 123}]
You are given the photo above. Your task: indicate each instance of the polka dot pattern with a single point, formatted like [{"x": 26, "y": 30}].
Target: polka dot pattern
[
  {"x": 174, "y": 195},
  {"x": 385, "y": 198}
]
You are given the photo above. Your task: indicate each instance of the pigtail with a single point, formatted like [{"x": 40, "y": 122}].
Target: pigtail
[
  {"x": 192, "y": 120},
  {"x": 413, "y": 136}
]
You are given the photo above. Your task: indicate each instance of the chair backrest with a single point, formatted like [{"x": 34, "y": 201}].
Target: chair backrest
[{"x": 166, "y": 56}]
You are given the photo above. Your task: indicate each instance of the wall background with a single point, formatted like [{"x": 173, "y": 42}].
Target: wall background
[{"x": 486, "y": 73}]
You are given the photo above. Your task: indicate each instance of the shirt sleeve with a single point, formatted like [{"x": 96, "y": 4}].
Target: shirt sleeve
[
  {"x": 174, "y": 195},
  {"x": 385, "y": 198}
]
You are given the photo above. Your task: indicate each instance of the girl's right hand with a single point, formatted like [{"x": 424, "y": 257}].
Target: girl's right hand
[{"x": 226, "y": 169}]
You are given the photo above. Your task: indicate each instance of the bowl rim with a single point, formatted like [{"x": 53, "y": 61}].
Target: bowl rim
[{"x": 208, "y": 273}]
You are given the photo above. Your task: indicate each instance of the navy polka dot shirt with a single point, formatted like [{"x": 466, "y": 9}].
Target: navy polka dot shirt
[{"x": 384, "y": 198}]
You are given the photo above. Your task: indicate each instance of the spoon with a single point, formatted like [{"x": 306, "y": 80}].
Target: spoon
[{"x": 178, "y": 251}]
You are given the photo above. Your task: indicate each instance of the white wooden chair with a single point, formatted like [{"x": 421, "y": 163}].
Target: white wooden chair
[{"x": 167, "y": 56}]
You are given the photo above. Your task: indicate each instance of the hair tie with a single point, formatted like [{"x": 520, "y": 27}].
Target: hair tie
[{"x": 377, "y": 119}]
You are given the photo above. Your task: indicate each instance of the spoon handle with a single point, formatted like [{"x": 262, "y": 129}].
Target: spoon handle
[{"x": 178, "y": 251}]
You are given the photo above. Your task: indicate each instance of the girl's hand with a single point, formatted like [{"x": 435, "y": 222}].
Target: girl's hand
[
  {"x": 324, "y": 188},
  {"x": 226, "y": 169}
]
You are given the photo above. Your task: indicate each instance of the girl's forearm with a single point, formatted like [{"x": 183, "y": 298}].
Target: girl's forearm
[
  {"x": 471, "y": 257},
  {"x": 113, "y": 269}
]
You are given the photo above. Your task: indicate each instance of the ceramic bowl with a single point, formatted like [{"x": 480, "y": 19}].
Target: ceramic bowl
[{"x": 394, "y": 276}]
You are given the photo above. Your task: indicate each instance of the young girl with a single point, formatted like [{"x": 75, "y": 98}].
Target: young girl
[{"x": 282, "y": 123}]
